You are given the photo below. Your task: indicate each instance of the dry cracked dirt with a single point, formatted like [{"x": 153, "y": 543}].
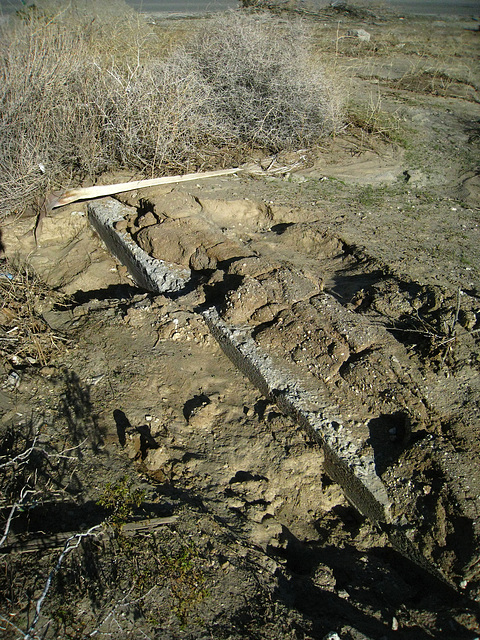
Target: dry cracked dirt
[{"x": 357, "y": 266}]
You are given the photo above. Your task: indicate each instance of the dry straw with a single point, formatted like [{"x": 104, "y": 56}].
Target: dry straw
[
  {"x": 86, "y": 89},
  {"x": 25, "y": 337}
]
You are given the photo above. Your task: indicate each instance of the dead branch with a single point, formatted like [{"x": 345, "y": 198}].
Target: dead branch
[
  {"x": 23, "y": 496},
  {"x": 72, "y": 543},
  {"x": 40, "y": 543}
]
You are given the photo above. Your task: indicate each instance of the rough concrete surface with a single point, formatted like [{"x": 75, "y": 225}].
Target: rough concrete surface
[
  {"x": 349, "y": 458},
  {"x": 343, "y": 281}
]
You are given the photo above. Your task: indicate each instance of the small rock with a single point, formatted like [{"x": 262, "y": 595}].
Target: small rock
[
  {"x": 200, "y": 260},
  {"x": 121, "y": 226},
  {"x": 467, "y": 319},
  {"x": 13, "y": 380},
  {"x": 360, "y": 34},
  {"x": 146, "y": 220},
  {"x": 415, "y": 177},
  {"x": 48, "y": 371}
]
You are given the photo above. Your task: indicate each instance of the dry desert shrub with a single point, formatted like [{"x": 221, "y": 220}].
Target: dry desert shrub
[
  {"x": 86, "y": 88},
  {"x": 52, "y": 121},
  {"x": 266, "y": 90},
  {"x": 81, "y": 93},
  {"x": 154, "y": 117},
  {"x": 37, "y": 69}
]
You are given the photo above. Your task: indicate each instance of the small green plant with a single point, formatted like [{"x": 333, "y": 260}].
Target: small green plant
[
  {"x": 187, "y": 581},
  {"x": 370, "y": 196},
  {"x": 120, "y": 499},
  {"x": 66, "y": 621}
]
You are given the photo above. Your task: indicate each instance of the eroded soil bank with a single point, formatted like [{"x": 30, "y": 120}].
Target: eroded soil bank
[{"x": 358, "y": 264}]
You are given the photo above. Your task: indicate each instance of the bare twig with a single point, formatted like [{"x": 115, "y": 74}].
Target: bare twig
[
  {"x": 71, "y": 544},
  {"x": 19, "y": 461},
  {"x": 23, "y": 495},
  {"x": 125, "y": 603},
  {"x": 457, "y": 312},
  {"x": 11, "y": 624},
  {"x": 22, "y": 457}
]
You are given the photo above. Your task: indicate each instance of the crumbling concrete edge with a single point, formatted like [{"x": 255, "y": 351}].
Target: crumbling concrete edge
[
  {"x": 148, "y": 273},
  {"x": 345, "y": 462},
  {"x": 353, "y": 470}
]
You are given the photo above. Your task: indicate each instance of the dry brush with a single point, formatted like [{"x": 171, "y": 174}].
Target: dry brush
[{"x": 84, "y": 90}]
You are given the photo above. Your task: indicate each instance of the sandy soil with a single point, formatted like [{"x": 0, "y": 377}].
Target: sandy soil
[{"x": 382, "y": 225}]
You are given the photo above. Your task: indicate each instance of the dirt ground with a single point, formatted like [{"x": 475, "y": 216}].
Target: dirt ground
[{"x": 130, "y": 411}]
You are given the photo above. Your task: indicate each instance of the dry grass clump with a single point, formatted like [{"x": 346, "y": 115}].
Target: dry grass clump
[
  {"x": 52, "y": 121},
  {"x": 25, "y": 337},
  {"x": 86, "y": 88},
  {"x": 265, "y": 89}
]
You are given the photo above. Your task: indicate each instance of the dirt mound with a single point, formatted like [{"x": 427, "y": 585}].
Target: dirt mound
[
  {"x": 356, "y": 266},
  {"x": 356, "y": 354}
]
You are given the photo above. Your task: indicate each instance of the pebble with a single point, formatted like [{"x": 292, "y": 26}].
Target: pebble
[
  {"x": 13, "y": 380},
  {"x": 361, "y": 34}
]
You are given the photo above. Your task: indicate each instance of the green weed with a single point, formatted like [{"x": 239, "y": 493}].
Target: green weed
[
  {"x": 120, "y": 499},
  {"x": 187, "y": 581}
]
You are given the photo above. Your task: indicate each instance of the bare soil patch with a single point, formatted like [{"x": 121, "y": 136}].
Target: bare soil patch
[{"x": 140, "y": 402}]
